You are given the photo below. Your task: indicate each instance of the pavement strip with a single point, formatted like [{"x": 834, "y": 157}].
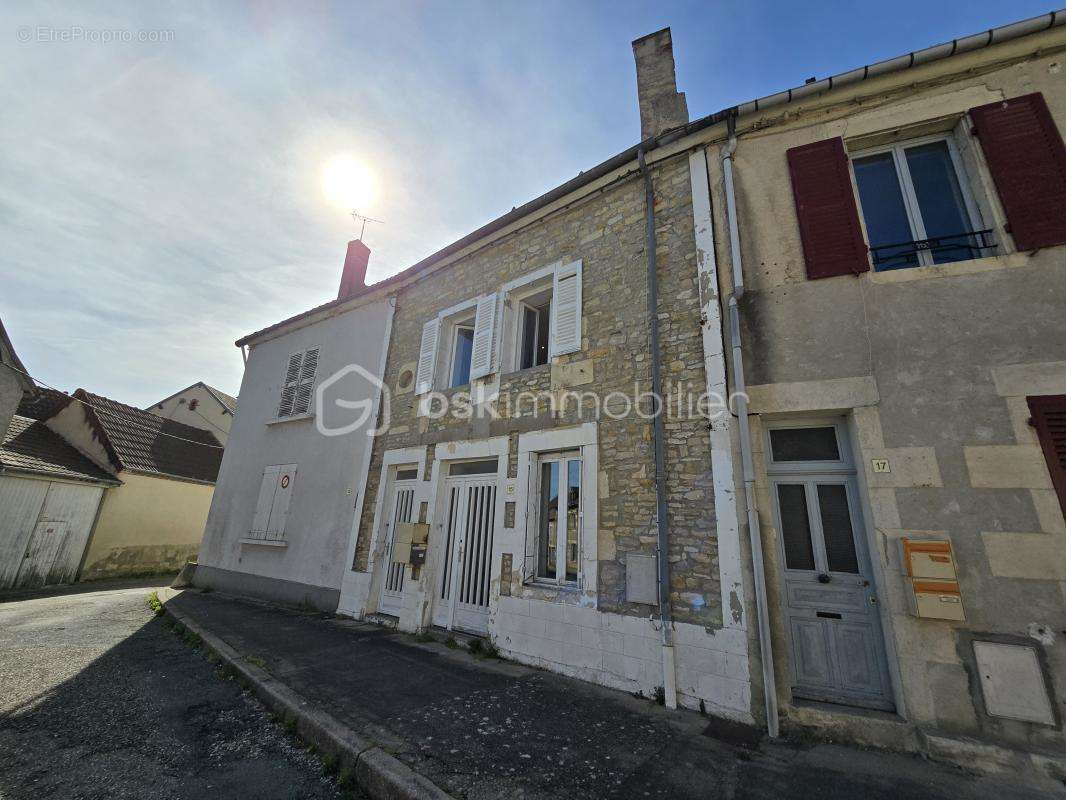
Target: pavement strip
[{"x": 379, "y": 774}]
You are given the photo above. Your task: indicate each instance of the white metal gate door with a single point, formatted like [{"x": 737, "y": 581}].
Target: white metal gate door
[
  {"x": 401, "y": 506},
  {"x": 463, "y": 589}
]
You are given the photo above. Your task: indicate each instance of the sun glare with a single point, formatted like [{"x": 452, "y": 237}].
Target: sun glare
[{"x": 348, "y": 183}]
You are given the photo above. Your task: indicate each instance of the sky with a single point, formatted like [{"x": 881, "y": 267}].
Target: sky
[{"x": 160, "y": 199}]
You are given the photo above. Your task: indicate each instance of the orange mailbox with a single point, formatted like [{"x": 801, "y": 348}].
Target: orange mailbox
[
  {"x": 929, "y": 559},
  {"x": 930, "y": 566}
]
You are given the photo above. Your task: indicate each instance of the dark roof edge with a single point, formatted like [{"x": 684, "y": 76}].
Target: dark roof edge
[
  {"x": 1004, "y": 33},
  {"x": 56, "y": 476}
]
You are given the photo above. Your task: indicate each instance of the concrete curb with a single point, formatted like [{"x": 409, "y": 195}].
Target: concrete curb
[{"x": 379, "y": 774}]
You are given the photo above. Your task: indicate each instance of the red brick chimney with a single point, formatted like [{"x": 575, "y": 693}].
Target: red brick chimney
[{"x": 353, "y": 278}]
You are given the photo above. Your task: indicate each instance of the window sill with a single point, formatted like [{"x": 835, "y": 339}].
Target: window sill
[
  {"x": 264, "y": 542},
  {"x": 951, "y": 270},
  {"x": 293, "y": 418}
]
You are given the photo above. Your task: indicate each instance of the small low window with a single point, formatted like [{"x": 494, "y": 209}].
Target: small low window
[
  {"x": 559, "y": 519},
  {"x": 916, "y": 207}
]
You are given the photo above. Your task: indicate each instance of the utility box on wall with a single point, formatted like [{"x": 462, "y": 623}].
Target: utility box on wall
[{"x": 934, "y": 581}]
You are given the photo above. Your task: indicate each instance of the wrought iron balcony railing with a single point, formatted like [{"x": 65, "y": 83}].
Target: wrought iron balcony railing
[{"x": 942, "y": 249}]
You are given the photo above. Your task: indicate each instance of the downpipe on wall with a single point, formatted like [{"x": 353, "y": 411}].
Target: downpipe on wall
[
  {"x": 658, "y": 438},
  {"x": 747, "y": 462}
]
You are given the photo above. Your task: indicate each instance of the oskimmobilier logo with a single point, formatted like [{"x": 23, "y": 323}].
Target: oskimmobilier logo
[{"x": 679, "y": 402}]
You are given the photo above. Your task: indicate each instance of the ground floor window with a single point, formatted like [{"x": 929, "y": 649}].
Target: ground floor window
[{"x": 558, "y": 517}]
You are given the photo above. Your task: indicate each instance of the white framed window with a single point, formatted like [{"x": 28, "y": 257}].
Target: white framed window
[
  {"x": 558, "y": 518},
  {"x": 540, "y": 319},
  {"x": 298, "y": 384},
  {"x": 462, "y": 351},
  {"x": 916, "y": 204},
  {"x": 531, "y": 324}
]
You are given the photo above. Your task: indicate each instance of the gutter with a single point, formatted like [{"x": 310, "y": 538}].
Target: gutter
[
  {"x": 747, "y": 462},
  {"x": 662, "y": 512},
  {"x": 917, "y": 58}
]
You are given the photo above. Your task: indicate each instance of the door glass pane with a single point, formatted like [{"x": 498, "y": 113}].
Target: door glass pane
[
  {"x": 406, "y": 474},
  {"x": 549, "y": 519},
  {"x": 804, "y": 444},
  {"x": 486, "y": 467},
  {"x": 940, "y": 202},
  {"x": 464, "y": 347},
  {"x": 573, "y": 517},
  {"x": 836, "y": 528},
  {"x": 884, "y": 212},
  {"x": 795, "y": 526}
]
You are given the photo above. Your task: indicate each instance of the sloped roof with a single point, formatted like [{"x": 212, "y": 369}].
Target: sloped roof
[
  {"x": 42, "y": 403},
  {"x": 29, "y": 446},
  {"x": 226, "y": 401},
  {"x": 143, "y": 442}
]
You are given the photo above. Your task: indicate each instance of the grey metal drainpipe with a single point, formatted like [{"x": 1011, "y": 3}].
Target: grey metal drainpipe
[
  {"x": 658, "y": 435},
  {"x": 747, "y": 462}
]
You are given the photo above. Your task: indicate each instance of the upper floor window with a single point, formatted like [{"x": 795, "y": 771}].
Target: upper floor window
[
  {"x": 916, "y": 198},
  {"x": 298, "y": 386},
  {"x": 916, "y": 208},
  {"x": 525, "y": 324},
  {"x": 535, "y": 322},
  {"x": 462, "y": 352}
]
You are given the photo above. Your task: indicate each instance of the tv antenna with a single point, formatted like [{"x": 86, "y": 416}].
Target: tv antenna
[{"x": 363, "y": 219}]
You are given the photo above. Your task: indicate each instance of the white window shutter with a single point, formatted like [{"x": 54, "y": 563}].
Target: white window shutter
[
  {"x": 482, "y": 356},
  {"x": 302, "y": 401},
  {"x": 286, "y": 478},
  {"x": 566, "y": 310},
  {"x": 427, "y": 356},
  {"x": 265, "y": 502},
  {"x": 289, "y": 385}
]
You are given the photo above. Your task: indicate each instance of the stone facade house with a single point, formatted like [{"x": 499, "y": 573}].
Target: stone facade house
[{"x": 515, "y": 491}]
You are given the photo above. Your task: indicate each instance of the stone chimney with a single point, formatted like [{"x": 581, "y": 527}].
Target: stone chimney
[
  {"x": 662, "y": 106},
  {"x": 353, "y": 278}
]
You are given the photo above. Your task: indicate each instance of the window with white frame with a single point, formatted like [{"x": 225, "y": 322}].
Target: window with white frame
[
  {"x": 299, "y": 383},
  {"x": 540, "y": 319},
  {"x": 534, "y": 329},
  {"x": 917, "y": 206},
  {"x": 558, "y": 518},
  {"x": 462, "y": 351}
]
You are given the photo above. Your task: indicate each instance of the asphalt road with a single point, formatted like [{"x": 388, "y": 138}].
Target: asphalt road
[{"x": 99, "y": 700}]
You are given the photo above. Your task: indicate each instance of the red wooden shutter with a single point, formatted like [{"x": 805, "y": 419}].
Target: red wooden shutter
[
  {"x": 825, "y": 204},
  {"x": 1049, "y": 419},
  {"x": 1027, "y": 160}
]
